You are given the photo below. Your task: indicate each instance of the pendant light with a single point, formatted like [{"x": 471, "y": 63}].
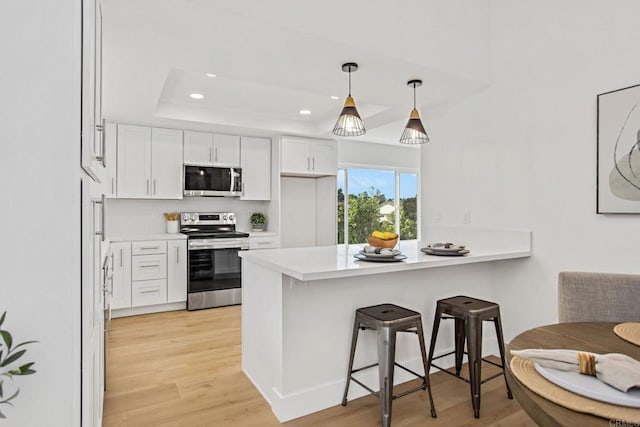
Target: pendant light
[
  {"x": 414, "y": 132},
  {"x": 349, "y": 123}
]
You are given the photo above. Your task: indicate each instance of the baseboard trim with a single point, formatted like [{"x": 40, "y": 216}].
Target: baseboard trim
[{"x": 148, "y": 309}]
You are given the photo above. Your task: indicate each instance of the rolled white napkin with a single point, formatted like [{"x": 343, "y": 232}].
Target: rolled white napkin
[
  {"x": 381, "y": 251},
  {"x": 617, "y": 370}
]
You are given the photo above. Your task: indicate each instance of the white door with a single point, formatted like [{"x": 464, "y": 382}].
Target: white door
[
  {"x": 295, "y": 156},
  {"x": 176, "y": 270},
  {"x": 323, "y": 158},
  {"x": 198, "y": 148},
  {"x": 255, "y": 155},
  {"x": 134, "y": 162},
  {"x": 121, "y": 275},
  {"x": 166, "y": 164},
  {"x": 226, "y": 150}
]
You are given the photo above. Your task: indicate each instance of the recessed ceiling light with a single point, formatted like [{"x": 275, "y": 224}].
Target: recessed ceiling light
[
  {"x": 196, "y": 96},
  {"x": 334, "y": 97},
  {"x": 305, "y": 112},
  {"x": 210, "y": 75}
]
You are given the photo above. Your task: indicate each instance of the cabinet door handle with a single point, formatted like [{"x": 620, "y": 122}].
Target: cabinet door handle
[
  {"x": 308, "y": 164},
  {"x": 314, "y": 164},
  {"x": 113, "y": 186},
  {"x": 150, "y": 292},
  {"x": 101, "y": 231},
  {"x": 177, "y": 255},
  {"x": 265, "y": 243},
  {"x": 150, "y": 266},
  {"x": 147, "y": 186},
  {"x": 243, "y": 189},
  {"x": 121, "y": 257},
  {"x": 148, "y": 248},
  {"x": 154, "y": 187},
  {"x": 210, "y": 157},
  {"x": 216, "y": 154}
]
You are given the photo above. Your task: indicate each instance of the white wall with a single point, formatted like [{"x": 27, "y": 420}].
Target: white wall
[
  {"x": 40, "y": 193},
  {"x": 522, "y": 154}
]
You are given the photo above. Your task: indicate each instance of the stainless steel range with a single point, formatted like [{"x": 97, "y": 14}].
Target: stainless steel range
[{"x": 214, "y": 267}]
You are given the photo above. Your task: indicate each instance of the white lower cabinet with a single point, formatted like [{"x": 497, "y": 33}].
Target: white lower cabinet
[
  {"x": 148, "y": 273},
  {"x": 264, "y": 242},
  {"x": 121, "y": 297},
  {"x": 176, "y": 270},
  {"x": 148, "y": 292}
]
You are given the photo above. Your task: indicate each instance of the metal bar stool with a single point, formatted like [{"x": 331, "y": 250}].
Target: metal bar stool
[
  {"x": 469, "y": 313},
  {"x": 387, "y": 320}
]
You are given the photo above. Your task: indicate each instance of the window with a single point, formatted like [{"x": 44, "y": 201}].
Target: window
[{"x": 368, "y": 200}]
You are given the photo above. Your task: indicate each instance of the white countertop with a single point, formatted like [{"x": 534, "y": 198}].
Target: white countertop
[
  {"x": 329, "y": 262},
  {"x": 147, "y": 237}
]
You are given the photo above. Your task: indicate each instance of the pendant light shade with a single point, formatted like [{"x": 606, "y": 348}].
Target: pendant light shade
[
  {"x": 414, "y": 132},
  {"x": 349, "y": 122}
]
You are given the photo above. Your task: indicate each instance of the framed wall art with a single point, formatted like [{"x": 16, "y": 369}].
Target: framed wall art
[{"x": 618, "y": 170}]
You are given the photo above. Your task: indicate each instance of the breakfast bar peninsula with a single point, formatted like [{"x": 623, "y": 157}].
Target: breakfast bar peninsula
[{"x": 298, "y": 308}]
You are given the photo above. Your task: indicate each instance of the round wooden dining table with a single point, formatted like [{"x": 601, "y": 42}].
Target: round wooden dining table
[{"x": 596, "y": 337}]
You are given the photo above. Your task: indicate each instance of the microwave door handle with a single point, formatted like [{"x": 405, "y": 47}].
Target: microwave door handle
[{"x": 233, "y": 180}]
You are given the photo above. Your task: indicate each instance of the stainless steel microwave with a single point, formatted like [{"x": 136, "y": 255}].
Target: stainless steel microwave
[{"x": 212, "y": 181}]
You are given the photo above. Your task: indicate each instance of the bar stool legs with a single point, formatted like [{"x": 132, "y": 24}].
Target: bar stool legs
[
  {"x": 354, "y": 341},
  {"x": 387, "y": 320},
  {"x": 498, "y": 324},
  {"x": 386, "y": 357},
  {"x": 468, "y": 314}
]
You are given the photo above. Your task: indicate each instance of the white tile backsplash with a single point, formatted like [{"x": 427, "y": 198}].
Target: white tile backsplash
[{"x": 134, "y": 217}]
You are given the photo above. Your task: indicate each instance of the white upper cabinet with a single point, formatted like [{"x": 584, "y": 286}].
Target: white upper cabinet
[
  {"x": 134, "y": 162},
  {"x": 109, "y": 187},
  {"x": 92, "y": 148},
  {"x": 308, "y": 157},
  {"x": 207, "y": 149},
  {"x": 198, "y": 148},
  {"x": 255, "y": 155},
  {"x": 149, "y": 163},
  {"x": 176, "y": 270},
  {"x": 226, "y": 150},
  {"x": 166, "y": 164}
]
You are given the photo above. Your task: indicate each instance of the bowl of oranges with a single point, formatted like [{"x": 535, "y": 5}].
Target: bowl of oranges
[{"x": 383, "y": 239}]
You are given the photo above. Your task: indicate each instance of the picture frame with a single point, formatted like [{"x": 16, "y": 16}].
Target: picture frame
[{"x": 618, "y": 151}]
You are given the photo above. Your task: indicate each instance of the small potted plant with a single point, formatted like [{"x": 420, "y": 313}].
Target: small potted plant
[
  {"x": 258, "y": 221},
  {"x": 9, "y": 355},
  {"x": 172, "y": 222}
]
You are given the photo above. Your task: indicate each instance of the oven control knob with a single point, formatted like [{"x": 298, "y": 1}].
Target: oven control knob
[
  {"x": 230, "y": 217},
  {"x": 224, "y": 217}
]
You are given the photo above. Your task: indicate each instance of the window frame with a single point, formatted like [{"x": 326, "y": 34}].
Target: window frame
[{"x": 397, "y": 172}]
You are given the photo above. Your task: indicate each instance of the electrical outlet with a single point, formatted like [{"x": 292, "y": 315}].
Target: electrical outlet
[
  {"x": 438, "y": 217},
  {"x": 467, "y": 217}
]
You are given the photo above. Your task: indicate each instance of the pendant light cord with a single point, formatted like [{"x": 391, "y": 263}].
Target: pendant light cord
[
  {"x": 349, "y": 81},
  {"x": 414, "y": 96}
]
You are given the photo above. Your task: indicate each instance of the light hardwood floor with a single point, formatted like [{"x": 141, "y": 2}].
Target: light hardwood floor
[{"x": 182, "y": 369}]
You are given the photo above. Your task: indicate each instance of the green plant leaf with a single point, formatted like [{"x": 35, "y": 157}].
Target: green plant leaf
[
  {"x": 1, "y": 390},
  {"x": 2, "y": 318},
  {"x": 13, "y": 358},
  {"x": 23, "y": 343},
  {"x": 2, "y": 416},
  {"x": 7, "y": 400},
  {"x": 7, "y": 338}
]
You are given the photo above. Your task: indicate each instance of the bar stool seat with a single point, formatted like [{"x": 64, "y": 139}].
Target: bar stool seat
[
  {"x": 387, "y": 320},
  {"x": 469, "y": 313}
]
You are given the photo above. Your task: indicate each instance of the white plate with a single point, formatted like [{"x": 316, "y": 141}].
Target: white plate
[
  {"x": 591, "y": 387},
  {"x": 396, "y": 258},
  {"x": 375, "y": 255}
]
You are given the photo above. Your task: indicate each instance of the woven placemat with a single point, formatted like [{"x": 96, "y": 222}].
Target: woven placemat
[
  {"x": 525, "y": 372},
  {"x": 628, "y": 332}
]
